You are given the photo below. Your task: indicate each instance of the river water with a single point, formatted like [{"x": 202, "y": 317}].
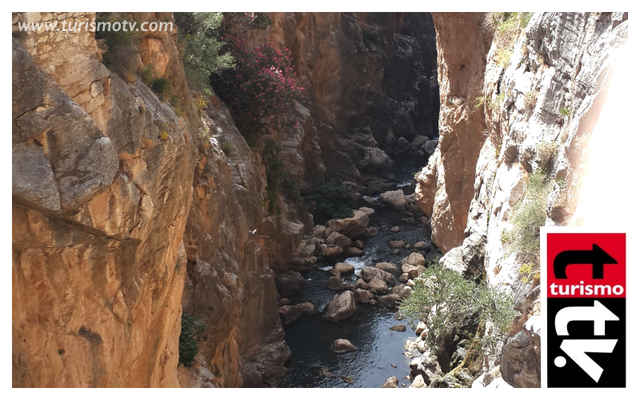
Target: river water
[{"x": 379, "y": 350}]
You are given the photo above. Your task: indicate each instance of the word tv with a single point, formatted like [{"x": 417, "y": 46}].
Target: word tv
[{"x": 586, "y": 310}]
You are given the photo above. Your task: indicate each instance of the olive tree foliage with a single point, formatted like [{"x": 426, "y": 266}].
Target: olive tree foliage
[
  {"x": 199, "y": 37},
  {"x": 447, "y": 302}
]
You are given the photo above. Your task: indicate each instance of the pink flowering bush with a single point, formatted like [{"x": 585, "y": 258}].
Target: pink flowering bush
[{"x": 261, "y": 90}]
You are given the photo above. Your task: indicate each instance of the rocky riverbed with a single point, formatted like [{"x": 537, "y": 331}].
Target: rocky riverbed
[{"x": 340, "y": 317}]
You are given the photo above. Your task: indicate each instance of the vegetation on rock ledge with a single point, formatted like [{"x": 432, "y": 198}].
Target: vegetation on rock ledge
[{"x": 448, "y": 303}]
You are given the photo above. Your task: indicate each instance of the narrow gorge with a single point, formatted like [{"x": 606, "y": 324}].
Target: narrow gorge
[{"x": 296, "y": 199}]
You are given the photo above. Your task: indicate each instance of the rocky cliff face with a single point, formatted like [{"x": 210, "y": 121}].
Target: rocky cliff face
[
  {"x": 100, "y": 203},
  {"x": 538, "y": 112},
  {"x": 107, "y": 180},
  {"x": 371, "y": 89}
]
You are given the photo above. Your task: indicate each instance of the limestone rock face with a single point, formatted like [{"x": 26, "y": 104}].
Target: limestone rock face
[
  {"x": 230, "y": 285},
  {"x": 445, "y": 186},
  {"x": 538, "y": 122},
  {"x": 101, "y": 200}
]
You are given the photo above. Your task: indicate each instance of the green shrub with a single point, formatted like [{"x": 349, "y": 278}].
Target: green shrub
[
  {"x": 121, "y": 45},
  {"x": 330, "y": 201},
  {"x": 508, "y": 26},
  {"x": 160, "y": 86},
  {"x": 565, "y": 112},
  {"x": 199, "y": 36},
  {"x": 146, "y": 74},
  {"x": 448, "y": 302},
  {"x": 188, "y": 345},
  {"x": 529, "y": 215}
]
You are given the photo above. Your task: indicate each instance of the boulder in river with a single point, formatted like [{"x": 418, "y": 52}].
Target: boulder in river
[
  {"x": 326, "y": 373},
  {"x": 347, "y": 379},
  {"x": 318, "y": 231},
  {"x": 330, "y": 252},
  {"x": 397, "y": 244},
  {"x": 306, "y": 307},
  {"x": 422, "y": 246},
  {"x": 289, "y": 314},
  {"x": 395, "y": 229},
  {"x": 335, "y": 283},
  {"x": 421, "y": 327},
  {"x": 418, "y": 383},
  {"x": 342, "y": 346},
  {"x": 353, "y": 252},
  {"x": 394, "y": 198},
  {"x": 391, "y": 382},
  {"x": 368, "y": 273},
  {"x": 412, "y": 271},
  {"x": 363, "y": 296},
  {"x": 390, "y": 301},
  {"x": 386, "y": 266},
  {"x": 344, "y": 268},
  {"x": 399, "y": 328},
  {"x": 378, "y": 285},
  {"x": 290, "y": 281},
  {"x": 367, "y": 210},
  {"x": 360, "y": 284},
  {"x": 342, "y": 306},
  {"x": 353, "y": 227},
  {"x": 371, "y": 231},
  {"x": 340, "y": 240},
  {"x": 414, "y": 259}
]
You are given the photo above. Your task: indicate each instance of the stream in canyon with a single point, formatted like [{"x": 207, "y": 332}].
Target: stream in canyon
[{"x": 379, "y": 350}]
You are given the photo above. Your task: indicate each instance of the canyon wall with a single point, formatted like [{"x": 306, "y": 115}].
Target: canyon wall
[
  {"x": 130, "y": 207},
  {"x": 371, "y": 88},
  {"x": 100, "y": 203},
  {"x": 529, "y": 116}
]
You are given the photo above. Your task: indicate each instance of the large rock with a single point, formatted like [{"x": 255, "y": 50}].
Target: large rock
[
  {"x": 290, "y": 281},
  {"x": 368, "y": 273},
  {"x": 391, "y": 382},
  {"x": 363, "y": 296},
  {"x": 342, "y": 306},
  {"x": 335, "y": 283},
  {"x": 414, "y": 259},
  {"x": 353, "y": 227},
  {"x": 418, "y": 383},
  {"x": 387, "y": 267},
  {"x": 390, "y": 301},
  {"x": 394, "y": 198},
  {"x": 339, "y": 240},
  {"x": 378, "y": 285},
  {"x": 520, "y": 363},
  {"x": 412, "y": 271},
  {"x": 371, "y": 231},
  {"x": 344, "y": 268},
  {"x": 342, "y": 346},
  {"x": 289, "y": 314},
  {"x": 330, "y": 253}
]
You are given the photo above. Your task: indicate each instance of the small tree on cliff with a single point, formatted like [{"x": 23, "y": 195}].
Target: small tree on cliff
[{"x": 199, "y": 36}]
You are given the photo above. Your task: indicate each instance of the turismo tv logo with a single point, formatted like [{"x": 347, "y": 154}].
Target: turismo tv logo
[{"x": 586, "y": 290}]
